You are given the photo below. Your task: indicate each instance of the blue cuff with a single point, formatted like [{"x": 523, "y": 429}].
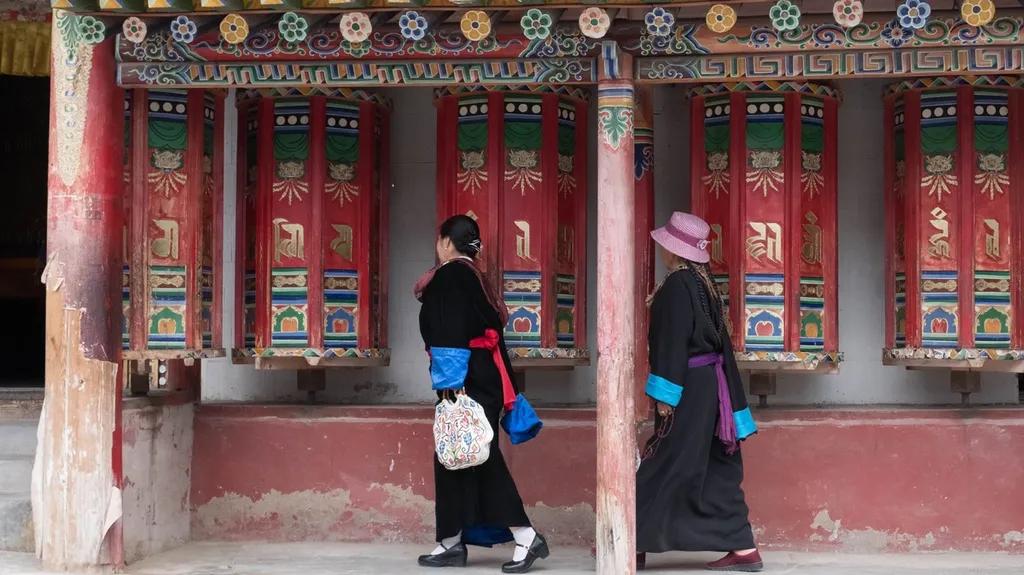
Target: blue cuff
[
  {"x": 448, "y": 367},
  {"x": 745, "y": 426},
  {"x": 664, "y": 390}
]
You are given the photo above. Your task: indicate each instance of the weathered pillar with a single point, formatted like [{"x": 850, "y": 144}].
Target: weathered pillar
[
  {"x": 643, "y": 199},
  {"x": 75, "y": 499},
  {"x": 616, "y": 289}
]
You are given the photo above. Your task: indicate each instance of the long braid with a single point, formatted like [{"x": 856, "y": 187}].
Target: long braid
[{"x": 715, "y": 310}]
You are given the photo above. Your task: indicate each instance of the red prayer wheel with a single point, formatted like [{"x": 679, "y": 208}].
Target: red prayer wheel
[
  {"x": 173, "y": 175},
  {"x": 955, "y": 222},
  {"x": 515, "y": 161},
  {"x": 312, "y": 229},
  {"x": 764, "y": 158}
]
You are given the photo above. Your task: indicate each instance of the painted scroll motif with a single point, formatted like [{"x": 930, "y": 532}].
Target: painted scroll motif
[
  {"x": 565, "y": 240},
  {"x": 992, "y": 219},
  {"x": 249, "y": 195},
  {"x": 764, "y": 234},
  {"x": 812, "y": 209},
  {"x": 342, "y": 201},
  {"x": 209, "y": 198},
  {"x": 940, "y": 190},
  {"x": 166, "y": 179},
  {"x": 717, "y": 183},
  {"x": 523, "y": 204},
  {"x": 290, "y": 223},
  {"x": 899, "y": 195}
]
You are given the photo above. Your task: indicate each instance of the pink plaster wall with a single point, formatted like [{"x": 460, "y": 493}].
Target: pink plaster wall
[{"x": 853, "y": 480}]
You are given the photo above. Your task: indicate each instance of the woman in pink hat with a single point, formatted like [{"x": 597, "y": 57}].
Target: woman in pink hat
[{"x": 688, "y": 484}]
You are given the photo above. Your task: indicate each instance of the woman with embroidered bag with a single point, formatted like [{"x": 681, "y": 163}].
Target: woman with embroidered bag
[
  {"x": 688, "y": 494},
  {"x": 461, "y": 321}
]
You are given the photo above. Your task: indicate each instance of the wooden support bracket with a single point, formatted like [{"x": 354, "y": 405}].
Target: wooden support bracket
[
  {"x": 762, "y": 385},
  {"x": 138, "y": 376},
  {"x": 311, "y": 381},
  {"x": 965, "y": 383}
]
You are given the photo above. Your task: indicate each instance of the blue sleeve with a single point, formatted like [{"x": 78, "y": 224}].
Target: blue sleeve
[
  {"x": 664, "y": 390},
  {"x": 448, "y": 367},
  {"x": 745, "y": 426}
]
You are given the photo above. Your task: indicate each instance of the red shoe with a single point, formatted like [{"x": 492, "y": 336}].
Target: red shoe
[{"x": 750, "y": 563}]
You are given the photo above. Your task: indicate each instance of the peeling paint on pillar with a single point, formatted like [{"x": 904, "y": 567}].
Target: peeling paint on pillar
[
  {"x": 75, "y": 491},
  {"x": 616, "y": 292}
]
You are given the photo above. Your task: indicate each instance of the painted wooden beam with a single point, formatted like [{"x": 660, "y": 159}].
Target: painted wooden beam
[{"x": 616, "y": 290}]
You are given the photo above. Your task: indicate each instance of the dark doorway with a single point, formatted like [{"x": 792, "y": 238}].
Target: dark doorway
[{"x": 24, "y": 115}]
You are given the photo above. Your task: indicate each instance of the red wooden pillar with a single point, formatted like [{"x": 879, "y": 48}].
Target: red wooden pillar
[
  {"x": 616, "y": 292},
  {"x": 643, "y": 189},
  {"x": 79, "y": 470}
]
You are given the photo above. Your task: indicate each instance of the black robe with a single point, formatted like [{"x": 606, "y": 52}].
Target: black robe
[
  {"x": 480, "y": 501},
  {"x": 688, "y": 488}
]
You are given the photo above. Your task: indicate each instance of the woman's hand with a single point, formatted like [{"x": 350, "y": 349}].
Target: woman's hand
[{"x": 664, "y": 409}]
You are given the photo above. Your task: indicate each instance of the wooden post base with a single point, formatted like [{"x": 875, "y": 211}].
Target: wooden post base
[
  {"x": 762, "y": 385},
  {"x": 311, "y": 381},
  {"x": 965, "y": 383}
]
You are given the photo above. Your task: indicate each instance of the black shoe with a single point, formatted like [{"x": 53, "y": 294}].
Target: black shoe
[
  {"x": 538, "y": 550},
  {"x": 641, "y": 561},
  {"x": 454, "y": 556}
]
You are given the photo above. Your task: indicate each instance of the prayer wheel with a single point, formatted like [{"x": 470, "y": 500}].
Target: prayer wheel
[
  {"x": 955, "y": 223},
  {"x": 312, "y": 229},
  {"x": 764, "y": 177},
  {"x": 515, "y": 161},
  {"x": 173, "y": 175}
]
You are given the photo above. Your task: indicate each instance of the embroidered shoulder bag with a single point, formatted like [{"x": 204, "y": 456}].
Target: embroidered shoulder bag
[{"x": 462, "y": 434}]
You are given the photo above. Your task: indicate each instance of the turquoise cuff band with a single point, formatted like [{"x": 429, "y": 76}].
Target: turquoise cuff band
[
  {"x": 664, "y": 390},
  {"x": 745, "y": 426}
]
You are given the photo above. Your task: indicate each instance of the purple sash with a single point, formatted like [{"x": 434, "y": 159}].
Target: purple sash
[{"x": 726, "y": 431}]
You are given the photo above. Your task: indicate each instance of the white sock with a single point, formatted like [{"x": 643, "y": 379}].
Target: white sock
[
  {"x": 448, "y": 543},
  {"x": 524, "y": 537}
]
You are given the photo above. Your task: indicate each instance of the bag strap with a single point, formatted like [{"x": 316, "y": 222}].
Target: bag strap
[{"x": 490, "y": 341}]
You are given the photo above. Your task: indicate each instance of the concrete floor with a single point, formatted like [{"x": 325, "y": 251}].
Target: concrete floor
[{"x": 354, "y": 559}]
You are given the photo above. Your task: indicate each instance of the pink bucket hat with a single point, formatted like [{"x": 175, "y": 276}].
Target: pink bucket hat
[{"x": 686, "y": 236}]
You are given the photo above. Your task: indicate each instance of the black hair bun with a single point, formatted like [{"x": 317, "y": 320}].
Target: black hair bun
[{"x": 464, "y": 233}]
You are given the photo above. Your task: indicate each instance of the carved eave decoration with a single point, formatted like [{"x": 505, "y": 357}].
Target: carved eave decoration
[{"x": 338, "y": 43}]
